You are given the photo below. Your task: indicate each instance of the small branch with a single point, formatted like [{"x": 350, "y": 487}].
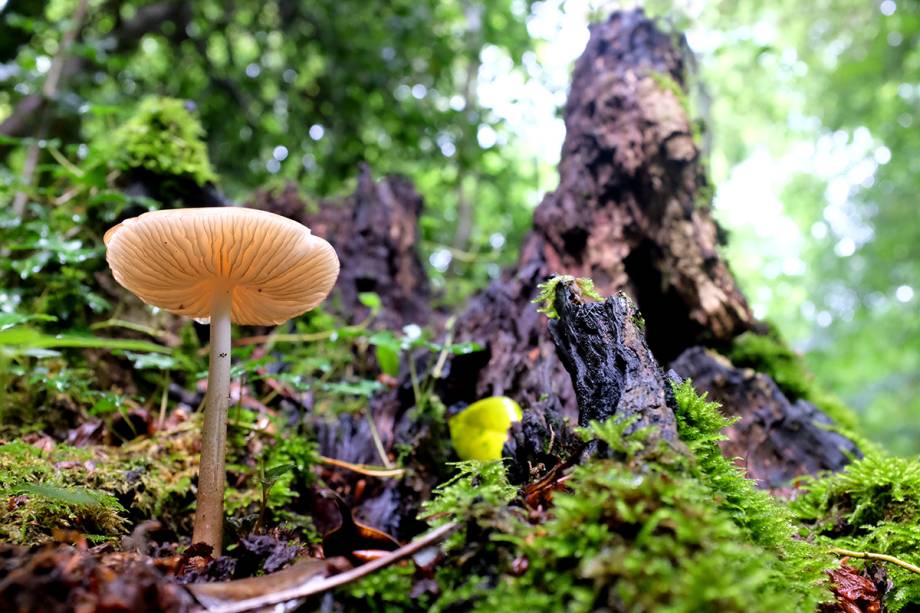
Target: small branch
[
  {"x": 362, "y": 469},
  {"x": 866, "y": 555},
  {"x": 312, "y": 586},
  {"x": 170, "y": 339},
  {"x": 375, "y": 435},
  {"x": 63, "y": 161}
]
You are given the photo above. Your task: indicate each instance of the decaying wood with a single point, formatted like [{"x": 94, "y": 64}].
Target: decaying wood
[
  {"x": 631, "y": 213},
  {"x": 775, "y": 439},
  {"x": 615, "y": 375},
  {"x": 603, "y": 348}
]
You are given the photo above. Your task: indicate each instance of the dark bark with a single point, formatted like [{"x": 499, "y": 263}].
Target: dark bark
[
  {"x": 615, "y": 376},
  {"x": 775, "y": 438},
  {"x": 603, "y": 348}
]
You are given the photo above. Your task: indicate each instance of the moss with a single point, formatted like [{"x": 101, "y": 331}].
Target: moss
[
  {"x": 641, "y": 542},
  {"x": 764, "y": 520},
  {"x": 770, "y": 355},
  {"x": 387, "y": 590},
  {"x": 477, "y": 497},
  {"x": 546, "y": 299},
  {"x": 872, "y": 505},
  {"x": 163, "y": 468},
  {"x": 667, "y": 83},
  {"x": 41, "y": 491},
  {"x": 165, "y": 138}
]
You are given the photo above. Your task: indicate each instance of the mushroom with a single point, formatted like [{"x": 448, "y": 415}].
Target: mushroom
[{"x": 226, "y": 264}]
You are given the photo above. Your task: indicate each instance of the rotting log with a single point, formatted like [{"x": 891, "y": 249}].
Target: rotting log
[{"x": 632, "y": 213}]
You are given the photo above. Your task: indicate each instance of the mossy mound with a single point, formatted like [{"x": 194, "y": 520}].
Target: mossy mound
[
  {"x": 64, "y": 488},
  {"x": 656, "y": 531},
  {"x": 163, "y": 137}
]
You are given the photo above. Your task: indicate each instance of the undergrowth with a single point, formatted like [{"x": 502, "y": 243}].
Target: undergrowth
[
  {"x": 164, "y": 137},
  {"x": 871, "y": 506},
  {"x": 656, "y": 531}
]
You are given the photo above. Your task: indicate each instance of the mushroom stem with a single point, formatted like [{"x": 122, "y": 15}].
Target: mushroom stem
[{"x": 209, "y": 515}]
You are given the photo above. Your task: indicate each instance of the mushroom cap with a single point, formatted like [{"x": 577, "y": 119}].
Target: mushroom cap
[{"x": 178, "y": 259}]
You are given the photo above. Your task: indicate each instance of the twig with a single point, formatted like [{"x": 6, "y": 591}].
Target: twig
[
  {"x": 311, "y": 586},
  {"x": 442, "y": 357},
  {"x": 363, "y": 469},
  {"x": 164, "y": 400},
  {"x": 273, "y": 337},
  {"x": 63, "y": 161},
  {"x": 866, "y": 555}
]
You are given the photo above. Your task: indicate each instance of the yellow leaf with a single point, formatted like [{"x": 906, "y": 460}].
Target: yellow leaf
[{"x": 479, "y": 431}]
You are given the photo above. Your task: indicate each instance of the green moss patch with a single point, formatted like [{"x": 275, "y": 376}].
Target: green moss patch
[
  {"x": 165, "y": 138},
  {"x": 64, "y": 488}
]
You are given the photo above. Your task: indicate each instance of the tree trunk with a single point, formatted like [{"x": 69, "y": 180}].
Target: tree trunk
[{"x": 632, "y": 213}]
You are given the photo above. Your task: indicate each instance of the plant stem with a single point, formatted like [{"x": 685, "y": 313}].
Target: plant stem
[
  {"x": 867, "y": 555},
  {"x": 209, "y": 515}
]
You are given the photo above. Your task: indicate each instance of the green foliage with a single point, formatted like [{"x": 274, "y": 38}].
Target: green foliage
[
  {"x": 645, "y": 531},
  {"x": 700, "y": 425},
  {"x": 476, "y": 497},
  {"x": 616, "y": 434},
  {"x": 547, "y": 292},
  {"x": 769, "y": 355},
  {"x": 872, "y": 505},
  {"x": 304, "y": 93},
  {"x": 35, "y": 376},
  {"x": 388, "y": 590},
  {"x": 44, "y": 272},
  {"x": 41, "y": 491}
]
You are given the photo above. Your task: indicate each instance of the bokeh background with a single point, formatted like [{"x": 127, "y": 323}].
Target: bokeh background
[{"x": 811, "y": 116}]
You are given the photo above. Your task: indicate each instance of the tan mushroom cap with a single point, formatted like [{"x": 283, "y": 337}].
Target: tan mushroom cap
[{"x": 178, "y": 259}]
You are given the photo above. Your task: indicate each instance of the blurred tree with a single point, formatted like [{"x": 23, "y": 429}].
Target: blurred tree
[{"x": 291, "y": 91}]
